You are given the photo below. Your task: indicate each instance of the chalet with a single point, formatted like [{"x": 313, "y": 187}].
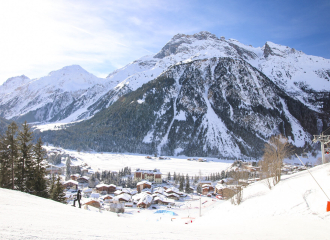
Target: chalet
[
  {"x": 74, "y": 176},
  {"x": 93, "y": 203},
  {"x": 82, "y": 179},
  {"x": 142, "y": 185},
  {"x": 107, "y": 198},
  {"x": 148, "y": 175},
  {"x": 128, "y": 204},
  {"x": 159, "y": 190},
  {"x": 136, "y": 198},
  {"x": 173, "y": 196},
  {"x": 207, "y": 189},
  {"x": 201, "y": 183},
  {"x": 122, "y": 198},
  {"x": 129, "y": 191},
  {"x": 224, "y": 191},
  {"x": 71, "y": 184},
  {"x": 162, "y": 200},
  {"x": 145, "y": 201},
  {"x": 106, "y": 188},
  {"x": 172, "y": 190}
]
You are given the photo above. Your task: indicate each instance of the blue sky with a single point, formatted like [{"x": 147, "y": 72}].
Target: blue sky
[{"x": 39, "y": 36}]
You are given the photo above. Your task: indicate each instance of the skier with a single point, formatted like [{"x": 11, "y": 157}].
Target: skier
[{"x": 77, "y": 199}]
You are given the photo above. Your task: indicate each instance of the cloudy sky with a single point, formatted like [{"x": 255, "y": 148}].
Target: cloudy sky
[{"x": 39, "y": 36}]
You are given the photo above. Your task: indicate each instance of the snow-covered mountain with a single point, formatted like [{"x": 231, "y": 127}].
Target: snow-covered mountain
[
  {"x": 63, "y": 94},
  {"x": 71, "y": 93},
  {"x": 220, "y": 97},
  {"x": 212, "y": 107}
]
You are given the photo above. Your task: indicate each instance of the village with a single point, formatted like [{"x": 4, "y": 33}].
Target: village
[{"x": 127, "y": 191}]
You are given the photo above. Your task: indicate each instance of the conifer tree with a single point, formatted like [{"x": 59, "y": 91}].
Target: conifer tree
[
  {"x": 9, "y": 155},
  {"x": 181, "y": 183},
  {"x": 169, "y": 176},
  {"x": 188, "y": 190},
  {"x": 199, "y": 188},
  {"x": 195, "y": 179},
  {"x": 223, "y": 174},
  {"x": 58, "y": 191},
  {"x": 4, "y": 164},
  {"x": 24, "y": 171},
  {"x": 39, "y": 183}
]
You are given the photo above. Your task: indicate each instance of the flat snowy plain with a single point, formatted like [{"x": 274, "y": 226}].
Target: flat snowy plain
[
  {"x": 116, "y": 162},
  {"x": 294, "y": 209}
]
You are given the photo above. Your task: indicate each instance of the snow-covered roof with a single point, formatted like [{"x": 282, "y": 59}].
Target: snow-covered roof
[
  {"x": 172, "y": 194},
  {"x": 172, "y": 189},
  {"x": 104, "y": 185},
  {"x": 124, "y": 196},
  {"x": 129, "y": 191},
  {"x": 106, "y": 196},
  {"x": 155, "y": 171},
  {"x": 138, "y": 196},
  {"x": 144, "y": 182},
  {"x": 117, "y": 192},
  {"x": 146, "y": 190},
  {"x": 159, "y": 190},
  {"x": 146, "y": 199},
  {"x": 71, "y": 181},
  {"x": 163, "y": 198}
]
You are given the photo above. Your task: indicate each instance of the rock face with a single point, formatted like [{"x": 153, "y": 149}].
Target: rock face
[{"x": 199, "y": 95}]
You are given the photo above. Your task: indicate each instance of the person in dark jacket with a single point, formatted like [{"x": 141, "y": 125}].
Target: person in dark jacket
[{"x": 77, "y": 199}]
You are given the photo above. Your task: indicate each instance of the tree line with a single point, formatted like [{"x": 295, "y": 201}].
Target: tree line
[{"x": 23, "y": 164}]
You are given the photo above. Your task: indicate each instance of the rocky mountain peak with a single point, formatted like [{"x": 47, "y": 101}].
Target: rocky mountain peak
[
  {"x": 204, "y": 35},
  {"x": 14, "y": 82},
  {"x": 172, "y": 47},
  {"x": 273, "y": 49}
]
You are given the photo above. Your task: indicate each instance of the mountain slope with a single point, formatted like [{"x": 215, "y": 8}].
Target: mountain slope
[
  {"x": 294, "y": 209},
  {"x": 213, "y": 107}
]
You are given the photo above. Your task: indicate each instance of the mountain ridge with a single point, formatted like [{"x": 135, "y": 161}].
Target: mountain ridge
[{"x": 218, "y": 94}]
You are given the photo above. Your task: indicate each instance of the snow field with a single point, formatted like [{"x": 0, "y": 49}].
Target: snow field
[
  {"x": 116, "y": 162},
  {"x": 293, "y": 209}
]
